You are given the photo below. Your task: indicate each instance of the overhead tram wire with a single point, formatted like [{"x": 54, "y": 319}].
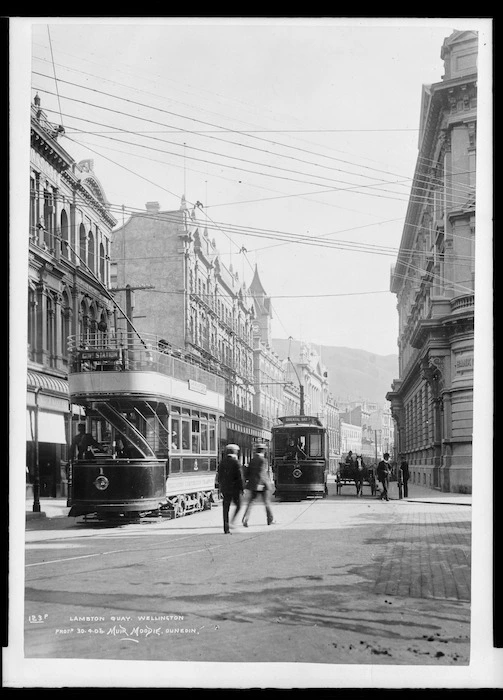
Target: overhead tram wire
[
  {"x": 262, "y": 199},
  {"x": 205, "y": 150},
  {"x": 422, "y": 271},
  {"x": 380, "y": 186},
  {"x": 221, "y": 129},
  {"x": 277, "y": 143},
  {"x": 293, "y": 237},
  {"x": 278, "y": 235},
  {"x": 355, "y": 186},
  {"x": 55, "y": 78},
  {"x": 301, "y": 195}
]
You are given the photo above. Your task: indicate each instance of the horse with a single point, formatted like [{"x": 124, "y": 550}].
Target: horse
[{"x": 360, "y": 474}]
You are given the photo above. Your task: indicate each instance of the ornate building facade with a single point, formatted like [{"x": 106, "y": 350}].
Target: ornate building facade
[
  {"x": 68, "y": 274},
  {"x": 432, "y": 400},
  {"x": 269, "y": 370},
  {"x": 184, "y": 294}
]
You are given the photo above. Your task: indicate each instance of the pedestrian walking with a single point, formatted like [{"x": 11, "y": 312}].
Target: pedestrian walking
[
  {"x": 257, "y": 483},
  {"x": 230, "y": 483},
  {"x": 404, "y": 466},
  {"x": 383, "y": 472}
]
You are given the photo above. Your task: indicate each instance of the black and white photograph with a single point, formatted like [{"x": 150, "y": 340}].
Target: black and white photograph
[{"x": 251, "y": 353}]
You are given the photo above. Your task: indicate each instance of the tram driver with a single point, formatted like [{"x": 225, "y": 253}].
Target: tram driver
[
  {"x": 294, "y": 449},
  {"x": 82, "y": 444}
]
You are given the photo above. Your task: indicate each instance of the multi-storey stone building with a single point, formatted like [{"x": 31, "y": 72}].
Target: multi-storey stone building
[
  {"x": 184, "y": 294},
  {"x": 381, "y": 422},
  {"x": 269, "y": 370},
  {"x": 351, "y": 438},
  {"x": 432, "y": 400},
  {"x": 332, "y": 414},
  {"x": 68, "y": 273},
  {"x": 360, "y": 415}
]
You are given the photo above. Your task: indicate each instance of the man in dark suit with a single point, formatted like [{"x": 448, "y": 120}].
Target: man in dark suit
[
  {"x": 404, "y": 466},
  {"x": 230, "y": 483},
  {"x": 257, "y": 482},
  {"x": 383, "y": 473}
]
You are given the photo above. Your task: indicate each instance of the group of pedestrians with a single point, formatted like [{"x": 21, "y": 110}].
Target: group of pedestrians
[
  {"x": 232, "y": 483},
  {"x": 384, "y": 473}
]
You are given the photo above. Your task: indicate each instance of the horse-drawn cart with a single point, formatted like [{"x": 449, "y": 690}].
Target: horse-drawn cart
[{"x": 350, "y": 473}]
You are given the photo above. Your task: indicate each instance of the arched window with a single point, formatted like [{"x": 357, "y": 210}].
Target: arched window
[
  {"x": 65, "y": 249},
  {"x": 102, "y": 263},
  {"x": 48, "y": 217},
  {"x": 82, "y": 244},
  {"x": 90, "y": 252}
]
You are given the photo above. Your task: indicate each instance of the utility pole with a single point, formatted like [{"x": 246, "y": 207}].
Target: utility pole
[{"x": 130, "y": 306}]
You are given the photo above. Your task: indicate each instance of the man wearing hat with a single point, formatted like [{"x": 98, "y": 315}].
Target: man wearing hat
[
  {"x": 258, "y": 482},
  {"x": 230, "y": 483}
]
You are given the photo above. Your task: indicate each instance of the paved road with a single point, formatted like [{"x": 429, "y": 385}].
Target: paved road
[{"x": 335, "y": 581}]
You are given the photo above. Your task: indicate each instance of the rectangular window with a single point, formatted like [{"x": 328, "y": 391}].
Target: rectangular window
[
  {"x": 185, "y": 435},
  {"x": 195, "y": 436},
  {"x": 315, "y": 445},
  {"x": 212, "y": 438},
  {"x": 204, "y": 437}
]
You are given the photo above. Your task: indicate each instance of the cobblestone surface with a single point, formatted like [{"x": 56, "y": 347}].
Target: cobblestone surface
[{"x": 427, "y": 555}]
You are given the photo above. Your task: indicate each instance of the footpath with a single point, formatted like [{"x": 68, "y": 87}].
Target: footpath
[{"x": 58, "y": 508}]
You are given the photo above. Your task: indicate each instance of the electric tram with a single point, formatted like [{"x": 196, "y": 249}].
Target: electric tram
[
  {"x": 149, "y": 437},
  {"x": 299, "y": 457}
]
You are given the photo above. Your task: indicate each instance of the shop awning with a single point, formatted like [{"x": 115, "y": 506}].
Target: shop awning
[
  {"x": 51, "y": 427},
  {"x": 48, "y": 391},
  {"x": 47, "y": 382}
]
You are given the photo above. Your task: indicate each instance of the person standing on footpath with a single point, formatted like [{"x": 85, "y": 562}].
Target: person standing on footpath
[
  {"x": 257, "y": 482},
  {"x": 383, "y": 472},
  {"x": 404, "y": 466},
  {"x": 230, "y": 483}
]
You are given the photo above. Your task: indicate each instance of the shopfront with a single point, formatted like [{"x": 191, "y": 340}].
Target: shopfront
[{"x": 47, "y": 434}]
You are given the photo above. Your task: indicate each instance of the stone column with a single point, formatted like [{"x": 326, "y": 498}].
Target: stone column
[
  {"x": 40, "y": 353},
  {"x": 57, "y": 339}
]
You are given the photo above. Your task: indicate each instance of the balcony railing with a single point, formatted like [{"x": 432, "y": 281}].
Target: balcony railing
[
  {"x": 236, "y": 413},
  {"x": 127, "y": 352},
  {"x": 465, "y": 302}
]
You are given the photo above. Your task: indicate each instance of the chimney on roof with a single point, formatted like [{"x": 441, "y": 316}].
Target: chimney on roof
[{"x": 152, "y": 207}]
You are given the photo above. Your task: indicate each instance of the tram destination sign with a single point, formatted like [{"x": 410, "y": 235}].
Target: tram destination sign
[
  {"x": 100, "y": 355},
  {"x": 311, "y": 420}
]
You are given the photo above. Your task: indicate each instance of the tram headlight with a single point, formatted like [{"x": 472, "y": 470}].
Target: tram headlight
[
  {"x": 101, "y": 482},
  {"x": 297, "y": 473}
]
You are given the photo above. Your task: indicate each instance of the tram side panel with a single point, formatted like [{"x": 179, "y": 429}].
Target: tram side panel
[{"x": 115, "y": 487}]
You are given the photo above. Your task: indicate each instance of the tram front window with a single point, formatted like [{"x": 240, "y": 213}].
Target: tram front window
[{"x": 298, "y": 445}]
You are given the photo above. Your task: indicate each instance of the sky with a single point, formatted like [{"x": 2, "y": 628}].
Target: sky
[{"x": 298, "y": 136}]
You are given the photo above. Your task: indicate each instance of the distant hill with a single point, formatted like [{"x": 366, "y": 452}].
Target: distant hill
[{"x": 352, "y": 374}]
